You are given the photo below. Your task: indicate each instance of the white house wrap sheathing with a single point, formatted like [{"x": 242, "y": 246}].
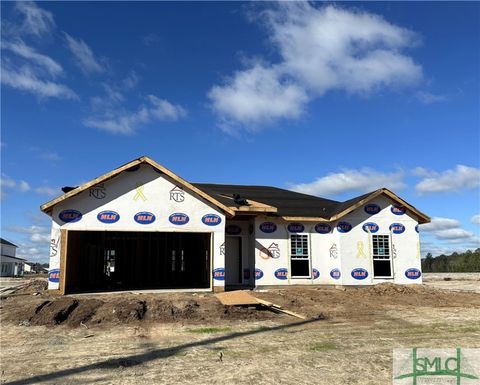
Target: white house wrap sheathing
[
  {"x": 141, "y": 190},
  {"x": 143, "y": 199},
  {"x": 335, "y": 251}
]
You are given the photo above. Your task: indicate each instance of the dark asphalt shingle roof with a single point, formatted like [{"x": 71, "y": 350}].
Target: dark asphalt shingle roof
[{"x": 288, "y": 203}]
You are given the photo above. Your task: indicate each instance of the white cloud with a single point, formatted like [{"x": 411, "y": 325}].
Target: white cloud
[
  {"x": 257, "y": 95},
  {"x": 439, "y": 224},
  {"x": 116, "y": 121},
  {"x": 37, "y": 21},
  {"x": 454, "y": 234},
  {"x": 475, "y": 219},
  {"x": 36, "y": 234},
  {"x": 46, "y": 190},
  {"x": 450, "y": 230},
  {"x": 26, "y": 78},
  {"x": 23, "y": 186},
  {"x": 85, "y": 58},
  {"x": 8, "y": 183},
  {"x": 358, "y": 181},
  {"x": 321, "y": 49},
  {"x": 461, "y": 177},
  {"x": 164, "y": 110},
  {"x": 21, "y": 49},
  {"x": 429, "y": 98}
]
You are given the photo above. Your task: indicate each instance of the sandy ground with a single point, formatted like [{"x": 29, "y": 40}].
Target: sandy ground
[
  {"x": 352, "y": 345},
  {"x": 453, "y": 281}
]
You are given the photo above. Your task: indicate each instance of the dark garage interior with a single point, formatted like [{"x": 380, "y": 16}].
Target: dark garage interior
[{"x": 117, "y": 260}]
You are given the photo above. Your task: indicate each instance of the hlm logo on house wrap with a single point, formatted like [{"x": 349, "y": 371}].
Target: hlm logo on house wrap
[
  {"x": 398, "y": 210},
  {"x": 370, "y": 227},
  {"x": 54, "y": 275},
  {"x": 233, "y": 230},
  {"x": 281, "y": 274},
  {"x": 211, "y": 220},
  {"x": 372, "y": 209},
  {"x": 144, "y": 218},
  {"x": 413, "y": 273},
  {"x": 70, "y": 216},
  {"x": 296, "y": 228},
  {"x": 315, "y": 274},
  {"x": 323, "y": 228},
  {"x": 268, "y": 227},
  {"x": 397, "y": 228},
  {"x": 359, "y": 273},
  {"x": 258, "y": 274},
  {"x": 178, "y": 219},
  {"x": 108, "y": 216},
  {"x": 335, "y": 274},
  {"x": 219, "y": 274},
  {"x": 416, "y": 229},
  {"x": 344, "y": 227}
]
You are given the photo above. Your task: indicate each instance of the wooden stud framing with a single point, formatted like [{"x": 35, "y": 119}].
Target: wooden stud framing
[{"x": 63, "y": 260}]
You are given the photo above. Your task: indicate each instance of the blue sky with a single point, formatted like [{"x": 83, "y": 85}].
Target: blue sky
[{"x": 332, "y": 99}]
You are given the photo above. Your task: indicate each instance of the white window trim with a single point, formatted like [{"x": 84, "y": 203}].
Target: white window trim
[
  {"x": 309, "y": 259},
  {"x": 390, "y": 254}
]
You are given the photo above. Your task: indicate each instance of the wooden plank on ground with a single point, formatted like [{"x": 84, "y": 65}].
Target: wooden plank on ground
[
  {"x": 237, "y": 297},
  {"x": 278, "y": 308}
]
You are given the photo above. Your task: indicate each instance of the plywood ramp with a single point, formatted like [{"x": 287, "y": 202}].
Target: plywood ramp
[
  {"x": 244, "y": 298},
  {"x": 237, "y": 298}
]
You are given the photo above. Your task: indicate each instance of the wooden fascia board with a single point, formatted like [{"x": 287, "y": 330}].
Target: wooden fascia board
[
  {"x": 46, "y": 208},
  {"x": 422, "y": 218},
  {"x": 356, "y": 205},
  {"x": 305, "y": 219}
]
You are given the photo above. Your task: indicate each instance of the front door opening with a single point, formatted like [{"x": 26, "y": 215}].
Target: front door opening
[
  {"x": 116, "y": 260},
  {"x": 382, "y": 261},
  {"x": 233, "y": 260}
]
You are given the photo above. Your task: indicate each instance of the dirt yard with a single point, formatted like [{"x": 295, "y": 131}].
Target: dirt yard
[{"x": 186, "y": 338}]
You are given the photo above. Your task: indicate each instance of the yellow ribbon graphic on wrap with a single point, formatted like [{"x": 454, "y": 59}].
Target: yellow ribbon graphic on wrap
[
  {"x": 418, "y": 250},
  {"x": 139, "y": 193},
  {"x": 360, "y": 252}
]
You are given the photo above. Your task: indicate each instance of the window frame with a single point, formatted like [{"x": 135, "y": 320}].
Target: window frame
[
  {"x": 300, "y": 257},
  {"x": 377, "y": 256}
]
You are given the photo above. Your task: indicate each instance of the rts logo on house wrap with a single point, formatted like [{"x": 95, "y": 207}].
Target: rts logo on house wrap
[{"x": 436, "y": 366}]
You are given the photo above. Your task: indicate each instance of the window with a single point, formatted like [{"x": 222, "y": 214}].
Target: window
[
  {"x": 299, "y": 256},
  {"x": 382, "y": 260}
]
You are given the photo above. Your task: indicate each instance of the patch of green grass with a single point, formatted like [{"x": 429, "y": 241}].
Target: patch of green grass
[
  {"x": 208, "y": 330},
  {"x": 322, "y": 346}
]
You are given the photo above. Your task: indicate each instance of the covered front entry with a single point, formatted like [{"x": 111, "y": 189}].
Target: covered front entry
[{"x": 107, "y": 261}]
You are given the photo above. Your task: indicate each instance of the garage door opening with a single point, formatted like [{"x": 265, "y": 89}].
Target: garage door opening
[{"x": 109, "y": 261}]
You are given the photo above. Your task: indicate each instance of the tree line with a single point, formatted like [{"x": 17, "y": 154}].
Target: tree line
[{"x": 467, "y": 262}]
